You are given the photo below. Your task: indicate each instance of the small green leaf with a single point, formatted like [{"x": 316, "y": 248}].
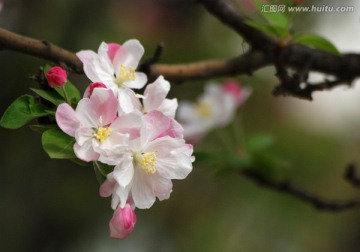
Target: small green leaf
[
  {"x": 49, "y": 95},
  {"x": 101, "y": 170},
  {"x": 42, "y": 128},
  {"x": 79, "y": 162},
  {"x": 72, "y": 92},
  {"x": 21, "y": 111},
  {"x": 259, "y": 142},
  {"x": 57, "y": 144},
  {"x": 316, "y": 41},
  {"x": 277, "y": 19}
]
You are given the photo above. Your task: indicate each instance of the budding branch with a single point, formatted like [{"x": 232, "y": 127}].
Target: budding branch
[{"x": 264, "y": 51}]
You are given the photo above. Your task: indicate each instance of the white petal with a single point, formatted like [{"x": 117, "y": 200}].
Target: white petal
[
  {"x": 86, "y": 113},
  {"x": 139, "y": 82},
  {"x": 129, "y": 54},
  {"x": 155, "y": 94},
  {"x": 141, "y": 191},
  {"x": 174, "y": 159},
  {"x": 161, "y": 187},
  {"x": 127, "y": 101},
  {"x": 168, "y": 107},
  {"x": 86, "y": 152},
  {"x": 124, "y": 171},
  {"x": 87, "y": 57}
]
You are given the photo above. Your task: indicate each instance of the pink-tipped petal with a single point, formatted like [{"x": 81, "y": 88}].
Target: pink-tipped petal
[
  {"x": 112, "y": 49},
  {"x": 66, "y": 119},
  {"x": 106, "y": 188}
]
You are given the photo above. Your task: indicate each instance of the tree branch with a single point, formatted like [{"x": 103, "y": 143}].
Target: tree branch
[
  {"x": 299, "y": 193},
  {"x": 43, "y": 49}
]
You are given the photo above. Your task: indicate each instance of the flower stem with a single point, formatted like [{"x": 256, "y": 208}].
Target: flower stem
[{"x": 65, "y": 95}]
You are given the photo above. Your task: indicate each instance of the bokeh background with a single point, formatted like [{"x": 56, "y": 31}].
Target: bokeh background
[{"x": 53, "y": 205}]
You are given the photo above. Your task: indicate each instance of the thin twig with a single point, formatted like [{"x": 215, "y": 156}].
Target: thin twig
[{"x": 287, "y": 187}]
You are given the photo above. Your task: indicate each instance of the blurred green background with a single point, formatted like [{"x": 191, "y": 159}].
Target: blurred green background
[{"x": 52, "y": 205}]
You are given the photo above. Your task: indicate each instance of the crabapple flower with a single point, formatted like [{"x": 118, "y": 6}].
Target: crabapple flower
[
  {"x": 145, "y": 169},
  {"x": 115, "y": 66},
  {"x": 123, "y": 222},
  {"x": 56, "y": 76},
  {"x": 95, "y": 124},
  {"x": 215, "y": 108}
]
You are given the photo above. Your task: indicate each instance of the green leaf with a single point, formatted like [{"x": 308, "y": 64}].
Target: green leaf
[
  {"x": 21, "y": 111},
  {"x": 57, "y": 144},
  {"x": 49, "y": 95},
  {"x": 259, "y": 142},
  {"x": 42, "y": 128},
  {"x": 316, "y": 41},
  {"x": 101, "y": 170},
  {"x": 72, "y": 92},
  {"x": 277, "y": 19},
  {"x": 79, "y": 162}
]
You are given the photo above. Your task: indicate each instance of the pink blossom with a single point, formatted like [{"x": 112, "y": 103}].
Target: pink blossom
[
  {"x": 123, "y": 222},
  {"x": 144, "y": 171},
  {"x": 56, "y": 76},
  {"x": 215, "y": 108},
  {"x": 96, "y": 126},
  {"x": 115, "y": 66}
]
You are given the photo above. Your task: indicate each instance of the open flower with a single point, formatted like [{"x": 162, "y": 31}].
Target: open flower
[
  {"x": 95, "y": 124},
  {"x": 215, "y": 108},
  {"x": 115, "y": 66},
  {"x": 144, "y": 171}
]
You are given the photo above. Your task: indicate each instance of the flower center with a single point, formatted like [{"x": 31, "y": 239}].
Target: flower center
[
  {"x": 125, "y": 74},
  {"x": 203, "y": 108},
  {"x": 102, "y": 133},
  {"x": 146, "y": 161}
]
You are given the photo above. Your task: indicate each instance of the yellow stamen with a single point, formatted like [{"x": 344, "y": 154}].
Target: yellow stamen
[
  {"x": 102, "y": 133},
  {"x": 146, "y": 161},
  {"x": 203, "y": 108},
  {"x": 125, "y": 74}
]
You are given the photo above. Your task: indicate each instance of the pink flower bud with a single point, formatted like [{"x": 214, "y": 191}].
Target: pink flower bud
[
  {"x": 94, "y": 85},
  {"x": 56, "y": 77},
  {"x": 123, "y": 222}
]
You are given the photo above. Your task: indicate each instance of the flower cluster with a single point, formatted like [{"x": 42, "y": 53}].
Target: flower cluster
[
  {"x": 134, "y": 133},
  {"x": 215, "y": 108}
]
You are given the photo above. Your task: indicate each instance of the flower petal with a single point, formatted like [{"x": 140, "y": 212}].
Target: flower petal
[
  {"x": 161, "y": 187},
  {"x": 141, "y": 191},
  {"x": 124, "y": 171},
  {"x": 155, "y": 94},
  {"x": 86, "y": 152},
  {"x": 66, "y": 119},
  {"x": 129, "y": 54},
  {"x": 105, "y": 103},
  {"x": 87, "y": 57},
  {"x": 139, "y": 82},
  {"x": 168, "y": 107}
]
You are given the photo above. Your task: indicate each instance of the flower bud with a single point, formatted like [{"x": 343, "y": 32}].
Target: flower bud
[
  {"x": 56, "y": 77},
  {"x": 123, "y": 222}
]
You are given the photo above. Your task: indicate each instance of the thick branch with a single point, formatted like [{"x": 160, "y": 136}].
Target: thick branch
[
  {"x": 299, "y": 193},
  {"x": 42, "y": 49},
  {"x": 229, "y": 16}
]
